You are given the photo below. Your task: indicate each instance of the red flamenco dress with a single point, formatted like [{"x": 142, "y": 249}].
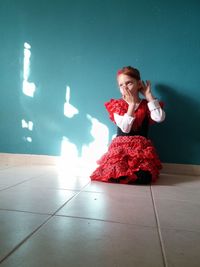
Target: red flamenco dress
[{"x": 129, "y": 154}]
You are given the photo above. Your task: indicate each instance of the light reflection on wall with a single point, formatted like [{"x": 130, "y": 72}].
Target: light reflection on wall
[
  {"x": 28, "y": 88},
  {"x": 95, "y": 149},
  {"x": 29, "y": 139},
  {"x": 70, "y": 160},
  {"x": 28, "y": 125},
  {"x": 69, "y": 110},
  {"x": 83, "y": 165}
]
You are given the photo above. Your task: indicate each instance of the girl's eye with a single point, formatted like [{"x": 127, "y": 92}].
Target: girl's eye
[{"x": 126, "y": 84}]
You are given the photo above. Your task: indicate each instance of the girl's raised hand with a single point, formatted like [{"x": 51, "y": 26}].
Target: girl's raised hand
[{"x": 146, "y": 90}]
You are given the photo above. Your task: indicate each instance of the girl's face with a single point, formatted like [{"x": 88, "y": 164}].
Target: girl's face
[{"x": 127, "y": 82}]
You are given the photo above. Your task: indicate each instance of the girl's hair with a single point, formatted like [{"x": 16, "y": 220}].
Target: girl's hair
[{"x": 130, "y": 71}]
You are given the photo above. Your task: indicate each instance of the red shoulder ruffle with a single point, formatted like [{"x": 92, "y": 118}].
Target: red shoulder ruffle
[{"x": 118, "y": 106}]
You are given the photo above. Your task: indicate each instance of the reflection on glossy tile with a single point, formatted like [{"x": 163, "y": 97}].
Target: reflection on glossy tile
[
  {"x": 124, "y": 208},
  {"x": 74, "y": 242},
  {"x": 57, "y": 181},
  {"x": 39, "y": 200},
  {"x": 19, "y": 174}
]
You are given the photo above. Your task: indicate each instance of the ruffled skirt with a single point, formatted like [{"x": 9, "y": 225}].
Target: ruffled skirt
[{"x": 125, "y": 156}]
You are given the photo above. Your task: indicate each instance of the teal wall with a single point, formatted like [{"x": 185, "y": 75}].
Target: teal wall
[{"x": 82, "y": 44}]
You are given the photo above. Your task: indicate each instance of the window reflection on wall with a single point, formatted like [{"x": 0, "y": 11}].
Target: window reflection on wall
[
  {"x": 28, "y": 88},
  {"x": 71, "y": 160},
  {"x": 69, "y": 110},
  {"x": 86, "y": 162},
  {"x": 29, "y": 126}
]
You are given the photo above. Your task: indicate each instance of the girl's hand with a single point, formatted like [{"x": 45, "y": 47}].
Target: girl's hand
[
  {"x": 127, "y": 96},
  {"x": 146, "y": 90}
]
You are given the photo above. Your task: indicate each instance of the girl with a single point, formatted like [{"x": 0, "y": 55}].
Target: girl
[{"x": 131, "y": 157}]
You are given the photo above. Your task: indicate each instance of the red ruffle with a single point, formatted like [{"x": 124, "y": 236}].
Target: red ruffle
[
  {"x": 118, "y": 106},
  {"x": 125, "y": 156}
]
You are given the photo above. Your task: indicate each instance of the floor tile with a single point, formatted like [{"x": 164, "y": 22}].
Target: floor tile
[
  {"x": 178, "y": 214},
  {"x": 58, "y": 181},
  {"x": 176, "y": 192},
  {"x": 187, "y": 181},
  {"x": 15, "y": 175},
  {"x": 118, "y": 206},
  {"x": 96, "y": 224},
  {"x": 177, "y": 201},
  {"x": 140, "y": 191},
  {"x": 15, "y": 227},
  {"x": 39, "y": 200},
  {"x": 75, "y": 242},
  {"x": 182, "y": 248}
]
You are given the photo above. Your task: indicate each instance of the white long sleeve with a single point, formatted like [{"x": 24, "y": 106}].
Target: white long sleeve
[
  {"x": 124, "y": 122},
  {"x": 156, "y": 112}
]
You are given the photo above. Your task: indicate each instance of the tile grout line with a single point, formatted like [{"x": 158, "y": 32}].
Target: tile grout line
[
  {"x": 39, "y": 227},
  {"x": 159, "y": 229},
  {"x": 104, "y": 221},
  {"x": 25, "y": 211},
  {"x": 82, "y": 189},
  {"x": 22, "y": 182},
  {"x": 24, "y": 240}
]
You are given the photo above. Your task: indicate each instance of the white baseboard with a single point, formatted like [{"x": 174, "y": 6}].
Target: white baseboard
[
  {"x": 26, "y": 159},
  {"x": 184, "y": 169},
  {"x": 7, "y": 159}
]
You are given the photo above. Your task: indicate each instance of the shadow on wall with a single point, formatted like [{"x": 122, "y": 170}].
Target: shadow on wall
[{"x": 181, "y": 128}]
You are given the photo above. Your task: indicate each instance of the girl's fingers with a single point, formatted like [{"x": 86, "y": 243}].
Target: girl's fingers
[
  {"x": 126, "y": 91},
  {"x": 148, "y": 82}
]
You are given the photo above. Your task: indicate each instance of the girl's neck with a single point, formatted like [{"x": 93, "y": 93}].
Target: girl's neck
[{"x": 136, "y": 99}]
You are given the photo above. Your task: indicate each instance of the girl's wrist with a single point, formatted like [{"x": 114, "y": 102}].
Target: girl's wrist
[
  {"x": 131, "y": 107},
  {"x": 150, "y": 98}
]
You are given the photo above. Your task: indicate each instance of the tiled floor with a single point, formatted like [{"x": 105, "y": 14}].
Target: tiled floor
[{"x": 53, "y": 219}]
